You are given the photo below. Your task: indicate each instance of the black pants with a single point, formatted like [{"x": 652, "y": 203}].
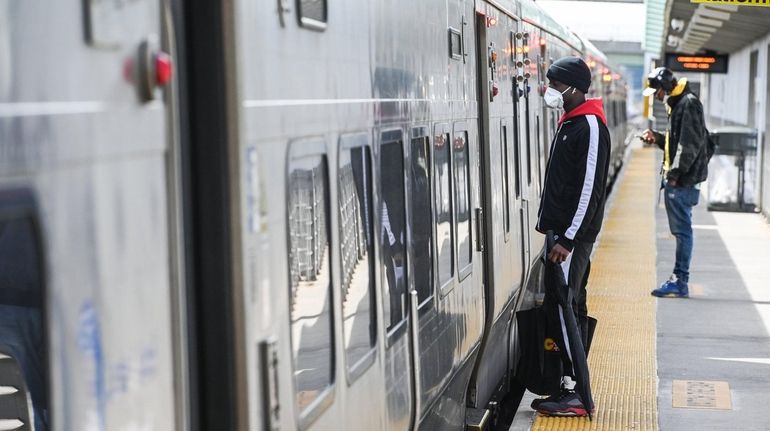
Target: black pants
[{"x": 576, "y": 269}]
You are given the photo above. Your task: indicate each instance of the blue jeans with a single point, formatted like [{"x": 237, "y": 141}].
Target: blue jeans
[{"x": 679, "y": 203}]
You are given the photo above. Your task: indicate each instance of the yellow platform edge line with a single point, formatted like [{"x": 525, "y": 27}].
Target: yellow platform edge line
[{"x": 623, "y": 354}]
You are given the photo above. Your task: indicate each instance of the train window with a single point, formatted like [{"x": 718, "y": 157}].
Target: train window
[
  {"x": 505, "y": 174},
  {"x": 312, "y": 13},
  {"x": 356, "y": 245},
  {"x": 516, "y": 147},
  {"x": 393, "y": 228},
  {"x": 23, "y": 345},
  {"x": 421, "y": 221},
  {"x": 455, "y": 44},
  {"x": 310, "y": 277},
  {"x": 442, "y": 199},
  {"x": 528, "y": 141},
  {"x": 462, "y": 177},
  {"x": 538, "y": 132}
]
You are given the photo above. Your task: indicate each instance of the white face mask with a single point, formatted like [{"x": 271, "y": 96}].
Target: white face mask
[{"x": 554, "y": 99}]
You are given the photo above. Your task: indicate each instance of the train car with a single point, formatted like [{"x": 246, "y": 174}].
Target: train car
[
  {"x": 91, "y": 257},
  {"x": 272, "y": 215}
]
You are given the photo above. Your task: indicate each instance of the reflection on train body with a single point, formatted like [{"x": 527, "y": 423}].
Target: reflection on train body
[
  {"x": 356, "y": 245},
  {"x": 393, "y": 238},
  {"x": 310, "y": 278}
]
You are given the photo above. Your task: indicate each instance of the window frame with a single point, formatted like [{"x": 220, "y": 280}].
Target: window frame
[
  {"x": 505, "y": 127},
  {"x": 444, "y": 288},
  {"x": 528, "y": 135},
  {"x": 310, "y": 23},
  {"x": 462, "y": 270},
  {"x": 420, "y": 132},
  {"x": 453, "y": 32},
  {"x": 390, "y": 136},
  {"x": 347, "y": 141},
  {"x": 306, "y": 147}
]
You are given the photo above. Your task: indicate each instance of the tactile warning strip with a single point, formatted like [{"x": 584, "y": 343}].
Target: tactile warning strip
[{"x": 622, "y": 359}]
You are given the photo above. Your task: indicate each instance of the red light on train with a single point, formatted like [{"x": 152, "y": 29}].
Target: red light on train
[
  {"x": 616, "y": 76},
  {"x": 491, "y": 21},
  {"x": 164, "y": 69},
  {"x": 542, "y": 41}
]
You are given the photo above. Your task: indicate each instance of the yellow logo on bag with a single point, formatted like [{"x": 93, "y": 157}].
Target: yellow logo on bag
[{"x": 550, "y": 345}]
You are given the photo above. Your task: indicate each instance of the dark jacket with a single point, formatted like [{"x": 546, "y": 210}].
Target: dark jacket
[
  {"x": 687, "y": 140},
  {"x": 572, "y": 204}
]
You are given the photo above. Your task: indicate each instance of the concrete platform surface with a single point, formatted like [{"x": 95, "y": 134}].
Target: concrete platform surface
[{"x": 721, "y": 332}]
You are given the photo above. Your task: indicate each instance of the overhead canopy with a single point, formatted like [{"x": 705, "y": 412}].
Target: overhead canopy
[{"x": 694, "y": 27}]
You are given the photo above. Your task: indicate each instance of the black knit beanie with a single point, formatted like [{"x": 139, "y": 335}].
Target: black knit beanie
[{"x": 572, "y": 71}]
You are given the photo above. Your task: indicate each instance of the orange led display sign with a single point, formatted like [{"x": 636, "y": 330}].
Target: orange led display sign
[
  {"x": 696, "y": 63},
  {"x": 765, "y": 3}
]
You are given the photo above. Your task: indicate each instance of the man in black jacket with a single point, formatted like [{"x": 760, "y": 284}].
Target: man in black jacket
[
  {"x": 572, "y": 204},
  {"x": 685, "y": 166}
]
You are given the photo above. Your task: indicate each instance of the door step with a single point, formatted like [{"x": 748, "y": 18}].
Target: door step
[{"x": 476, "y": 419}]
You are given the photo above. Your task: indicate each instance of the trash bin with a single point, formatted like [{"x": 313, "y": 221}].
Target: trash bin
[{"x": 732, "y": 181}]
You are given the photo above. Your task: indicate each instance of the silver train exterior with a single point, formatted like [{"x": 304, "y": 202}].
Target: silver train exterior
[{"x": 324, "y": 220}]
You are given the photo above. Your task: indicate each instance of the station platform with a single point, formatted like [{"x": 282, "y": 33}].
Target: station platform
[{"x": 701, "y": 363}]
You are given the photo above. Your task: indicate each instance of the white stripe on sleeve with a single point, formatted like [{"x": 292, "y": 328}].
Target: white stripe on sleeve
[
  {"x": 588, "y": 182},
  {"x": 565, "y": 268}
]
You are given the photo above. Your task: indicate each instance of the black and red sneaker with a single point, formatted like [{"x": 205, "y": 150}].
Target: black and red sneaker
[
  {"x": 567, "y": 403},
  {"x": 551, "y": 398}
]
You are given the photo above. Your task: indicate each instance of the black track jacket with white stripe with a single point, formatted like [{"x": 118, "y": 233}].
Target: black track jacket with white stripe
[{"x": 572, "y": 204}]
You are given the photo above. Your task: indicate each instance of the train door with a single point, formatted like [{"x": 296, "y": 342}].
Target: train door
[
  {"x": 88, "y": 198},
  {"x": 502, "y": 242}
]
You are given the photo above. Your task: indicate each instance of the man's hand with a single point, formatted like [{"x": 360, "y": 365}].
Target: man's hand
[
  {"x": 648, "y": 136},
  {"x": 558, "y": 254}
]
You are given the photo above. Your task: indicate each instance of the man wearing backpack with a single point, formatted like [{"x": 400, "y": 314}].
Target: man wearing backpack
[{"x": 686, "y": 152}]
